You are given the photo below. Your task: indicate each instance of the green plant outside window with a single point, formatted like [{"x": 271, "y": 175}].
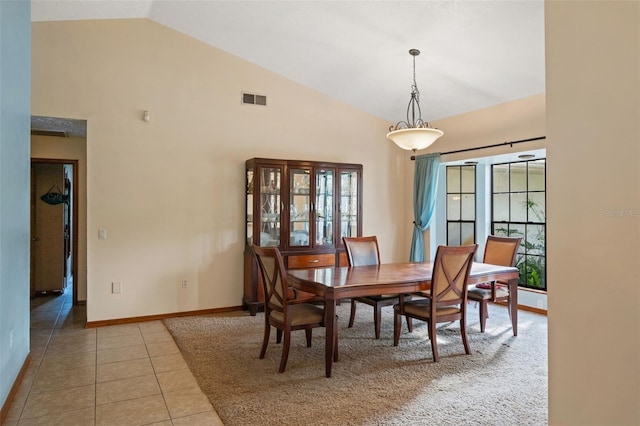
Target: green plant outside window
[{"x": 519, "y": 210}]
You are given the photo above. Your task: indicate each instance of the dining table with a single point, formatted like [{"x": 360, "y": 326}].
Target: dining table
[{"x": 335, "y": 283}]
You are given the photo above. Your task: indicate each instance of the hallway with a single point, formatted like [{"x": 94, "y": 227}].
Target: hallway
[{"x": 131, "y": 374}]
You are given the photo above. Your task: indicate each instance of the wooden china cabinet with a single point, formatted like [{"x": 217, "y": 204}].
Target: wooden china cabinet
[{"x": 302, "y": 207}]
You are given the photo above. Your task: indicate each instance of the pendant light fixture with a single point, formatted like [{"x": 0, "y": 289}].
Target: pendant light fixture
[{"x": 413, "y": 134}]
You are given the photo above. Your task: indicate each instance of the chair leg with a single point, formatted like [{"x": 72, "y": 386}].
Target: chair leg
[
  {"x": 409, "y": 319},
  {"x": 285, "y": 351},
  {"x": 353, "y": 313},
  {"x": 483, "y": 314},
  {"x": 308, "y": 332},
  {"x": 335, "y": 341},
  {"x": 431, "y": 326},
  {"x": 463, "y": 332},
  {"x": 278, "y": 335},
  {"x": 397, "y": 323},
  {"x": 265, "y": 340},
  {"x": 377, "y": 313}
]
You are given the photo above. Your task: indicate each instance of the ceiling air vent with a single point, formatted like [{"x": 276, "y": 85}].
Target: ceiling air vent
[{"x": 251, "y": 99}]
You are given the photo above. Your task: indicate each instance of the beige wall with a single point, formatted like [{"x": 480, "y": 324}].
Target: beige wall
[
  {"x": 71, "y": 149},
  {"x": 170, "y": 192},
  {"x": 507, "y": 122},
  {"x": 593, "y": 198}
]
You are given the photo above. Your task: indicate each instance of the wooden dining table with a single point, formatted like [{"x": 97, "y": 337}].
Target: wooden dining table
[{"x": 337, "y": 283}]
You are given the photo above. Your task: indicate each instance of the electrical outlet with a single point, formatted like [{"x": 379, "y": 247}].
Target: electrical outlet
[
  {"x": 116, "y": 287},
  {"x": 540, "y": 304},
  {"x": 184, "y": 283},
  {"x": 11, "y": 339},
  {"x": 102, "y": 234}
]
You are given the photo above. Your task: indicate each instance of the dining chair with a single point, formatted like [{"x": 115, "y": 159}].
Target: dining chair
[
  {"x": 281, "y": 310},
  {"x": 447, "y": 300},
  {"x": 498, "y": 251},
  {"x": 364, "y": 251}
]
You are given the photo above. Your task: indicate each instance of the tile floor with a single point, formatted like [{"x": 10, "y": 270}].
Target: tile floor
[{"x": 130, "y": 374}]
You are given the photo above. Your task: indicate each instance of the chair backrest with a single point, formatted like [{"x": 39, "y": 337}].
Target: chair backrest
[
  {"x": 450, "y": 275},
  {"x": 274, "y": 277},
  {"x": 362, "y": 251},
  {"x": 501, "y": 250}
]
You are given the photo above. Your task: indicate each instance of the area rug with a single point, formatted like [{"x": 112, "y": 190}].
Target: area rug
[{"x": 503, "y": 381}]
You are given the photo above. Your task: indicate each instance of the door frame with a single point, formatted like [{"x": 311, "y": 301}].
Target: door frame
[{"x": 74, "y": 216}]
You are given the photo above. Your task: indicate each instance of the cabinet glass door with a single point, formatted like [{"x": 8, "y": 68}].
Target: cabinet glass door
[
  {"x": 299, "y": 207},
  {"x": 249, "y": 206},
  {"x": 348, "y": 204},
  {"x": 270, "y": 205},
  {"x": 324, "y": 207}
]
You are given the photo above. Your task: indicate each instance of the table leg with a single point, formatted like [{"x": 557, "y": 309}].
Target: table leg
[
  {"x": 331, "y": 330},
  {"x": 513, "y": 304}
]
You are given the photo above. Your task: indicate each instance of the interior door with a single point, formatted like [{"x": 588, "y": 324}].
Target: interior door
[{"x": 47, "y": 230}]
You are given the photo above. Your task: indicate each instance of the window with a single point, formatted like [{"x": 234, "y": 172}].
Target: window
[
  {"x": 519, "y": 210},
  {"x": 461, "y": 205}
]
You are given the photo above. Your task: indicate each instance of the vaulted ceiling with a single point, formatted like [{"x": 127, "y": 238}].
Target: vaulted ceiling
[{"x": 474, "y": 54}]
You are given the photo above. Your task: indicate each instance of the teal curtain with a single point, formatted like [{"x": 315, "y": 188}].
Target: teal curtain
[{"x": 425, "y": 183}]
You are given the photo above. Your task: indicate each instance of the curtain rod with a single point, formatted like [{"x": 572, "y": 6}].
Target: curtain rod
[{"x": 511, "y": 143}]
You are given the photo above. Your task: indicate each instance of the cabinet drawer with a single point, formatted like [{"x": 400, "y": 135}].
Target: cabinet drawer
[{"x": 311, "y": 261}]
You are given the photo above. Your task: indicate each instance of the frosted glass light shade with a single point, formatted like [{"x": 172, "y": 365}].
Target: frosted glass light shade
[{"x": 415, "y": 139}]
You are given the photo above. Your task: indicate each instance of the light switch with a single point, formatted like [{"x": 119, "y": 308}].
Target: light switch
[
  {"x": 116, "y": 287},
  {"x": 102, "y": 234}
]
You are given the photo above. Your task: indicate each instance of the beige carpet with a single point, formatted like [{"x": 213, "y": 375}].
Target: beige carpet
[{"x": 503, "y": 381}]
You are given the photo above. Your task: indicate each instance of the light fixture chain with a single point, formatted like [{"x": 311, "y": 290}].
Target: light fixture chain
[
  {"x": 414, "y": 102},
  {"x": 414, "y": 88}
]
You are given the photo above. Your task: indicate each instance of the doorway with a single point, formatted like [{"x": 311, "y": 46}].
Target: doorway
[{"x": 54, "y": 230}]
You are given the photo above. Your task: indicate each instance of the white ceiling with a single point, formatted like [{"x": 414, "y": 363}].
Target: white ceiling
[{"x": 474, "y": 53}]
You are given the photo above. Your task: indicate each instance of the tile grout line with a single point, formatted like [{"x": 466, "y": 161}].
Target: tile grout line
[
  {"x": 155, "y": 374},
  {"x": 44, "y": 353},
  {"x": 162, "y": 392},
  {"x": 59, "y": 325}
]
